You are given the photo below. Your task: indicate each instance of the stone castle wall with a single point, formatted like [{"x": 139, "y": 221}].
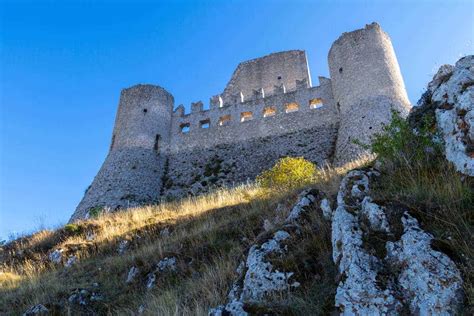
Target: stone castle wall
[{"x": 268, "y": 110}]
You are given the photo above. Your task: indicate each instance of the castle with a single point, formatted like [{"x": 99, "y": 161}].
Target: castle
[{"x": 268, "y": 110}]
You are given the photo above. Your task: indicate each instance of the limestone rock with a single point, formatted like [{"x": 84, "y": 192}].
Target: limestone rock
[
  {"x": 56, "y": 256},
  {"x": 416, "y": 277},
  {"x": 38, "y": 309},
  {"x": 257, "y": 275},
  {"x": 131, "y": 274},
  {"x": 450, "y": 99},
  {"x": 429, "y": 279}
]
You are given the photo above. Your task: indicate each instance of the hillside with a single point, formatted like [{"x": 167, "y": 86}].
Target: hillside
[{"x": 392, "y": 235}]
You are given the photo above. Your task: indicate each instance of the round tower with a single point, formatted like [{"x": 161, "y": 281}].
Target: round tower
[
  {"x": 367, "y": 84},
  {"x": 132, "y": 172}
]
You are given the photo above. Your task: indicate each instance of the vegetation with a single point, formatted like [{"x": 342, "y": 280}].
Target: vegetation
[
  {"x": 289, "y": 173},
  {"x": 209, "y": 235},
  {"x": 415, "y": 174}
]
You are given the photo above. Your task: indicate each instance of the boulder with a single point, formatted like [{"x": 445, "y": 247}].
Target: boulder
[{"x": 449, "y": 99}]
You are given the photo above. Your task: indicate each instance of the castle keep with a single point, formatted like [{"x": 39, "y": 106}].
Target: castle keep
[{"x": 268, "y": 110}]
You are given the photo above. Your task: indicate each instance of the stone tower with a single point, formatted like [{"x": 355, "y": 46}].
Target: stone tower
[
  {"x": 367, "y": 84},
  {"x": 133, "y": 169}
]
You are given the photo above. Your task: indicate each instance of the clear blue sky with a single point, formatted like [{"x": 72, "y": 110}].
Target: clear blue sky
[{"x": 63, "y": 64}]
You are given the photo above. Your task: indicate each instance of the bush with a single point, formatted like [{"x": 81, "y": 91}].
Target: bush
[
  {"x": 73, "y": 229},
  {"x": 94, "y": 212},
  {"x": 399, "y": 145},
  {"x": 287, "y": 174}
]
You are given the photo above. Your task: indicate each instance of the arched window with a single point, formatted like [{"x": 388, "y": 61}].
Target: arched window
[{"x": 291, "y": 107}]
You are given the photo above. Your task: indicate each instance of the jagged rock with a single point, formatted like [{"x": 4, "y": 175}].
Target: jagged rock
[
  {"x": 416, "y": 277},
  {"x": 267, "y": 225},
  {"x": 80, "y": 296},
  {"x": 70, "y": 261},
  {"x": 131, "y": 274},
  {"x": 38, "y": 309},
  {"x": 326, "y": 208},
  {"x": 257, "y": 276},
  {"x": 150, "y": 280},
  {"x": 260, "y": 277},
  {"x": 56, "y": 256},
  {"x": 84, "y": 297},
  {"x": 359, "y": 292},
  {"x": 90, "y": 236},
  {"x": 167, "y": 264},
  {"x": 165, "y": 232},
  {"x": 450, "y": 99},
  {"x": 429, "y": 279}
]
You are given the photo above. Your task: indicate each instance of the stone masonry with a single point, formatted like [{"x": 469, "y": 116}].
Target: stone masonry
[{"x": 268, "y": 110}]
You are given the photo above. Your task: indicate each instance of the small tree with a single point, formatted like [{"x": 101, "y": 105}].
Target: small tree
[{"x": 287, "y": 174}]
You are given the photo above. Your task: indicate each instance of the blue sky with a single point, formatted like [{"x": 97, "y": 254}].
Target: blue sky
[{"x": 63, "y": 64}]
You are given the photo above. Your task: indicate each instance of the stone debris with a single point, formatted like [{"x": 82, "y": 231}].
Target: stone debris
[
  {"x": 164, "y": 265},
  {"x": 84, "y": 297},
  {"x": 429, "y": 280},
  {"x": 70, "y": 261},
  {"x": 326, "y": 208},
  {"x": 257, "y": 276},
  {"x": 150, "y": 280},
  {"x": 165, "y": 232},
  {"x": 122, "y": 247},
  {"x": 416, "y": 276},
  {"x": 167, "y": 264},
  {"x": 131, "y": 274},
  {"x": 38, "y": 309},
  {"x": 56, "y": 256},
  {"x": 90, "y": 236}
]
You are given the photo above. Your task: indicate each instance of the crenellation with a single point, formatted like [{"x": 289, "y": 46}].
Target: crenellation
[
  {"x": 197, "y": 107},
  {"x": 269, "y": 109}
]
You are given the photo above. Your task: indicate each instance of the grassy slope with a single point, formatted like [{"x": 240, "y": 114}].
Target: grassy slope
[{"x": 209, "y": 235}]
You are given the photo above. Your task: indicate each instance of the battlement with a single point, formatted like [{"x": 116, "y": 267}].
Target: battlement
[{"x": 216, "y": 102}]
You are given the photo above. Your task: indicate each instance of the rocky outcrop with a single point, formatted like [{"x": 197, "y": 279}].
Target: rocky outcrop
[
  {"x": 258, "y": 278},
  {"x": 450, "y": 100},
  {"x": 386, "y": 263}
]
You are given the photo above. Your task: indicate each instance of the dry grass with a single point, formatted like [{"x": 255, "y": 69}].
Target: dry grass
[
  {"x": 442, "y": 200},
  {"x": 208, "y": 235}
]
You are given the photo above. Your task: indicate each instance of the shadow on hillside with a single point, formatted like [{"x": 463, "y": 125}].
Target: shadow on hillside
[{"x": 196, "y": 242}]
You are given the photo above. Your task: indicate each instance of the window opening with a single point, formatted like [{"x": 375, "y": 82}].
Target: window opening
[
  {"x": 246, "y": 116},
  {"x": 291, "y": 107},
  {"x": 224, "y": 120},
  {"x": 315, "y": 103}
]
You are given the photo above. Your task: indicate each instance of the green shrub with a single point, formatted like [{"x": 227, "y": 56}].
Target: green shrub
[
  {"x": 73, "y": 229},
  {"x": 287, "y": 174},
  {"x": 399, "y": 145},
  {"x": 94, "y": 212}
]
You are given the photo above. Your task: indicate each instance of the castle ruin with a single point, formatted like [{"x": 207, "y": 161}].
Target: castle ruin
[{"x": 268, "y": 110}]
